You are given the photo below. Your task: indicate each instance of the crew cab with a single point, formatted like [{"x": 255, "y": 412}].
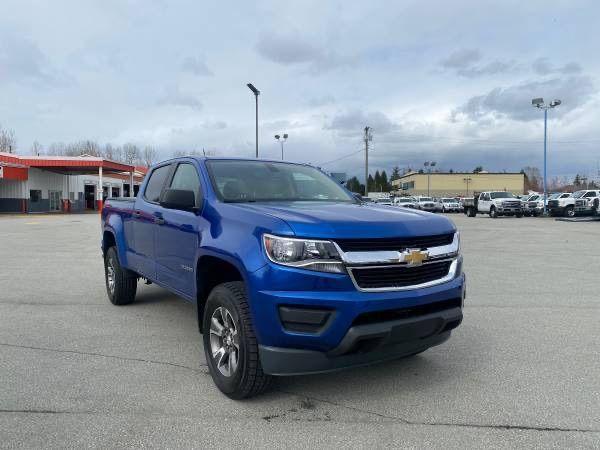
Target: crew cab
[
  {"x": 494, "y": 203},
  {"x": 533, "y": 204},
  {"x": 291, "y": 274}
]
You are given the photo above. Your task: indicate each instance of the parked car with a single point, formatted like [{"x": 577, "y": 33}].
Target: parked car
[
  {"x": 426, "y": 204},
  {"x": 494, "y": 203},
  {"x": 449, "y": 205},
  {"x": 291, "y": 274},
  {"x": 405, "y": 202}
]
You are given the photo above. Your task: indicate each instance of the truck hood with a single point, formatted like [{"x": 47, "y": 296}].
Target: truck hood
[{"x": 349, "y": 220}]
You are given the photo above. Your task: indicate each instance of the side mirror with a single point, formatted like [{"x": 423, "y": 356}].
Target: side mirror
[{"x": 178, "y": 199}]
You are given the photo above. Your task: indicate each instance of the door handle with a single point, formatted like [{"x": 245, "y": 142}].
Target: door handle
[
  {"x": 159, "y": 221},
  {"x": 136, "y": 213}
]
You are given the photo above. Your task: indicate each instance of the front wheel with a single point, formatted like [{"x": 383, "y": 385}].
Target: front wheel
[
  {"x": 570, "y": 211},
  {"x": 493, "y": 213},
  {"x": 230, "y": 344},
  {"x": 519, "y": 215}
]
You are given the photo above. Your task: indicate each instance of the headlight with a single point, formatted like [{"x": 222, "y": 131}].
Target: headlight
[{"x": 310, "y": 254}]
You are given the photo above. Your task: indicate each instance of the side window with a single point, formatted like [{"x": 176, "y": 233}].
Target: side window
[
  {"x": 590, "y": 194},
  {"x": 186, "y": 178},
  {"x": 156, "y": 183},
  {"x": 482, "y": 196}
]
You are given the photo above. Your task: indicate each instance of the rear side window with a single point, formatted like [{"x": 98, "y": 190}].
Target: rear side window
[
  {"x": 186, "y": 178},
  {"x": 156, "y": 183}
]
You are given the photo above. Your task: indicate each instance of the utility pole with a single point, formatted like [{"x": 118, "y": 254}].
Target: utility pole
[
  {"x": 256, "y": 93},
  {"x": 368, "y": 137}
]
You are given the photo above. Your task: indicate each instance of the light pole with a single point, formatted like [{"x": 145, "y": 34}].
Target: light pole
[
  {"x": 429, "y": 164},
  {"x": 539, "y": 103},
  {"x": 467, "y": 179},
  {"x": 281, "y": 141},
  {"x": 256, "y": 93}
]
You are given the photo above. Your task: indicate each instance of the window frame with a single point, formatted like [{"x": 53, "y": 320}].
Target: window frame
[
  {"x": 171, "y": 176},
  {"x": 162, "y": 189}
]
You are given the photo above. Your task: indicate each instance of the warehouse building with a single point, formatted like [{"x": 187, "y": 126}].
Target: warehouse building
[
  {"x": 458, "y": 184},
  {"x": 61, "y": 183}
]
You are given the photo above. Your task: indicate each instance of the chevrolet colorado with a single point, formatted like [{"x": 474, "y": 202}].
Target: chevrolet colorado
[{"x": 291, "y": 274}]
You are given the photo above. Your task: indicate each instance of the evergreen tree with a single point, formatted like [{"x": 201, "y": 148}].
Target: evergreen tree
[
  {"x": 385, "y": 185},
  {"x": 395, "y": 173},
  {"x": 371, "y": 184}
]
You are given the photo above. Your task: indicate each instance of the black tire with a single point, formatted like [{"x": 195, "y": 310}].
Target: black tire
[
  {"x": 570, "y": 211},
  {"x": 247, "y": 379},
  {"x": 519, "y": 215},
  {"x": 595, "y": 207},
  {"x": 471, "y": 212},
  {"x": 493, "y": 213},
  {"x": 124, "y": 282}
]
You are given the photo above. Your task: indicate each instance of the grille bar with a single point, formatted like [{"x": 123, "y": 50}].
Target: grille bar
[
  {"x": 391, "y": 277},
  {"x": 397, "y": 244}
]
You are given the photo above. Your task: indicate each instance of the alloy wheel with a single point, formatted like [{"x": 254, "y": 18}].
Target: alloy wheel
[{"x": 224, "y": 341}]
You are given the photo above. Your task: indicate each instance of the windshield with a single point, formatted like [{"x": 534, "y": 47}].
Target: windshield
[
  {"x": 405, "y": 200},
  {"x": 448, "y": 200},
  {"x": 578, "y": 194},
  {"x": 383, "y": 200},
  {"x": 554, "y": 196},
  {"x": 501, "y": 195},
  {"x": 425, "y": 199},
  {"x": 262, "y": 181}
]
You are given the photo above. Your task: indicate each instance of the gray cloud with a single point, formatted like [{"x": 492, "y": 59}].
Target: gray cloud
[
  {"x": 513, "y": 102},
  {"x": 196, "y": 66},
  {"x": 543, "y": 66},
  {"x": 352, "y": 123},
  {"x": 22, "y": 61},
  {"x": 293, "y": 49},
  {"x": 174, "y": 96},
  {"x": 461, "y": 59},
  {"x": 492, "y": 68},
  {"x": 315, "y": 102}
]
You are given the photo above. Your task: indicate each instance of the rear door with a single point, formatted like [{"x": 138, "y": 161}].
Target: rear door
[
  {"x": 145, "y": 215},
  {"x": 178, "y": 235}
]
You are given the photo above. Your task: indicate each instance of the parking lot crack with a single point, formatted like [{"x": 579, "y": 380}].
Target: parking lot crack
[
  {"x": 101, "y": 355},
  {"x": 442, "y": 424}
]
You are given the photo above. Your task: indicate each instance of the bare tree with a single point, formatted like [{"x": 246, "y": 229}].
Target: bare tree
[
  {"x": 131, "y": 154},
  {"x": 149, "y": 156},
  {"x": 57, "y": 149},
  {"x": 36, "y": 148},
  {"x": 8, "y": 141}
]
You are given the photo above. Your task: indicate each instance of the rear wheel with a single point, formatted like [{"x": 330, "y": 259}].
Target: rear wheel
[
  {"x": 230, "y": 344},
  {"x": 471, "y": 212},
  {"x": 121, "y": 283}
]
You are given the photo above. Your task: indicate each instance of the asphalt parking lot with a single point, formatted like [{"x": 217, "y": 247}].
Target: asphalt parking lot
[{"x": 522, "y": 370}]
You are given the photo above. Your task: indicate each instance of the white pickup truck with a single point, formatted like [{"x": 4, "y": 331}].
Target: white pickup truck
[
  {"x": 494, "y": 203},
  {"x": 579, "y": 203}
]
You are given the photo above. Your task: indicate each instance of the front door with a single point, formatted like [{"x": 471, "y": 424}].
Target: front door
[
  {"x": 54, "y": 200},
  {"x": 143, "y": 223},
  {"x": 484, "y": 203},
  {"x": 177, "y": 238}
]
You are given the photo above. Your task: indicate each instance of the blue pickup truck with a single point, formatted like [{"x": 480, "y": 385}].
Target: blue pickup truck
[{"x": 291, "y": 274}]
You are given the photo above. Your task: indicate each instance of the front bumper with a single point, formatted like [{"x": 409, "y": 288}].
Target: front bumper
[
  {"x": 335, "y": 307},
  {"x": 365, "y": 344}
]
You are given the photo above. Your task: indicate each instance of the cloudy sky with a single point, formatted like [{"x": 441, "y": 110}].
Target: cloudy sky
[{"x": 446, "y": 81}]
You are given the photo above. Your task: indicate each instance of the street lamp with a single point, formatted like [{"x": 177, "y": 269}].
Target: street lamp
[
  {"x": 467, "y": 180},
  {"x": 539, "y": 103},
  {"x": 256, "y": 93},
  {"x": 281, "y": 141},
  {"x": 429, "y": 164}
]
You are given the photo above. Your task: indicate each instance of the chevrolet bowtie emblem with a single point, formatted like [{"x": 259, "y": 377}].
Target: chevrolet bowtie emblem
[{"x": 414, "y": 257}]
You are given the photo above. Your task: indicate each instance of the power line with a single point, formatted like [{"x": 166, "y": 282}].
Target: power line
[{"x": 340, "y": 158}]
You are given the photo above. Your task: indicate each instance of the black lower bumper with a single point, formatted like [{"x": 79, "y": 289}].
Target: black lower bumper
[{"x": 365, "y": 344}]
